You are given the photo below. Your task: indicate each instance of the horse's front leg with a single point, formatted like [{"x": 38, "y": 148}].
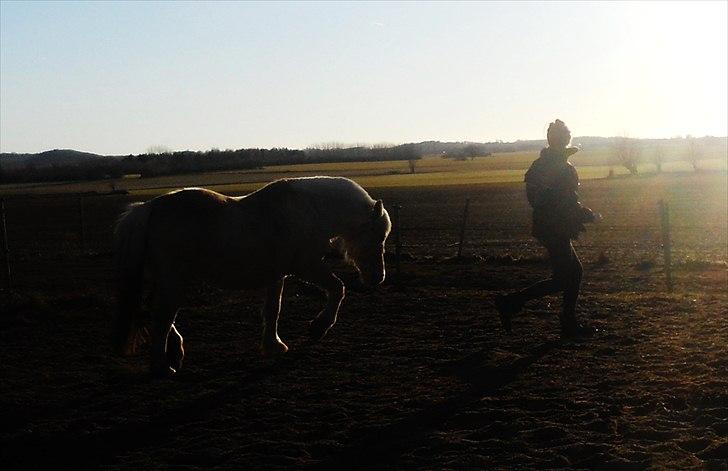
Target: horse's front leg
[
  {"x": 322, "y": 277},
  {"x": 271, "y": 343}
]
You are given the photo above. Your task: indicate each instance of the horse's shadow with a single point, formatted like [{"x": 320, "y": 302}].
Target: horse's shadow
[
  {"x": 54, "y": 449},
  {"x": 382, "y": 446},
  {"x": 376, "y": 447}
]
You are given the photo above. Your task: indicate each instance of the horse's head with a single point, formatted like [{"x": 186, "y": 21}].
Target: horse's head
[{"x": 364, "y": 246}]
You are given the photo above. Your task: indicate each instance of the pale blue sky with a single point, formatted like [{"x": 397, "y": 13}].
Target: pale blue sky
[{"x": 116, "y": 78}]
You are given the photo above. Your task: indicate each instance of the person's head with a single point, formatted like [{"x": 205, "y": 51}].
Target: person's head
[{"x": 558, "y": 135}]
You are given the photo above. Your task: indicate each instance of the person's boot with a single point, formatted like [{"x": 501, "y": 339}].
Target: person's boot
[{"x": 507, "y": 305}]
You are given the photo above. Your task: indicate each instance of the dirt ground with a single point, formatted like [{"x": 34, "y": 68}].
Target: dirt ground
[{"x": 416, "y": 374}]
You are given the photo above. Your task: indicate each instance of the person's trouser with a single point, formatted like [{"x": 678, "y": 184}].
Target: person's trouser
[{"x": 566, "y": 277}]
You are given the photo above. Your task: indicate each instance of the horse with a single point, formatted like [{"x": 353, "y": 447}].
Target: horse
[{"x": 254, "y": 241}]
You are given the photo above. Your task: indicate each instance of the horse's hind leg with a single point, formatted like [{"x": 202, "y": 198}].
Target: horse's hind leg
[
  {"x": 175, "y": 349},
  {"x": 322, "y": 277},
  {"x": 271, "y": 343},
  {"x": 166, "y": 304}
]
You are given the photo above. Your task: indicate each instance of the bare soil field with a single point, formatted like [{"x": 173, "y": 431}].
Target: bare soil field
[{"x": 416, "y": 374}]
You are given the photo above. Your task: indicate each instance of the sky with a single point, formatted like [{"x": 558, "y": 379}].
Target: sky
[{"x": 118, "y": 78}]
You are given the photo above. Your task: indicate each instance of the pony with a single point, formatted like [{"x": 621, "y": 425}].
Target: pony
[{"x": 250, "y": 242}]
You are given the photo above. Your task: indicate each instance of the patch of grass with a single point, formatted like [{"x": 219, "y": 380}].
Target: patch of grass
[{"x": 700, "y": 265}]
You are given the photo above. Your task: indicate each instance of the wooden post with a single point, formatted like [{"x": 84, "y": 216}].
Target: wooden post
[
  {"x": 5, "y": 247},
  {"x": 81, "y": 224},
  {"x": 397, "y": 240},
  {"x": 666, "y": 242},
  {"x": 462, "y": 228}
]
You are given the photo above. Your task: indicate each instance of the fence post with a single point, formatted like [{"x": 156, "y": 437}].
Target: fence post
[
  {"x": 397, "y": 241},
  {"x": 666, "y": 242},
  {"x": 81, "y": 223},
  {"x": 5, "y": 247},
  {"x": 462, "y": 228}
]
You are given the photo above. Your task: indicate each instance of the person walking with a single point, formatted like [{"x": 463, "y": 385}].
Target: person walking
[{"x": 558, "y": 218}]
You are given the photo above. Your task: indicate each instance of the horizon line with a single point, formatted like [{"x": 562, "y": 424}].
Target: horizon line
[{"x": 355, "y": 145}]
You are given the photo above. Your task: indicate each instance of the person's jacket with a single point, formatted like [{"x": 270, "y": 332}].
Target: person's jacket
[{"x": 551, "y": 189}]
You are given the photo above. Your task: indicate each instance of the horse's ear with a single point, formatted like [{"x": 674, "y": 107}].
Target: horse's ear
[{"x": 378, "y": 210}]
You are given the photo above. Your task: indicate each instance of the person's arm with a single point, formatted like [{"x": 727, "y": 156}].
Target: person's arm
[{"x": 585, "y": 214}]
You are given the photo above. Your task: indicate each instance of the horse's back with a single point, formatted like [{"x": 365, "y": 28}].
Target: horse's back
[
  {"x": 182, "y": 213},
  {"x": 200, "y": 232},
  {"x": 299, "y": 199},
  {"x": 332, "y": 188},
  {"x": 190, "y": 199}
]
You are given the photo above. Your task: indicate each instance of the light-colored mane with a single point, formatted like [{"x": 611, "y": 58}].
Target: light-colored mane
[{"x": 257, "y": 240}]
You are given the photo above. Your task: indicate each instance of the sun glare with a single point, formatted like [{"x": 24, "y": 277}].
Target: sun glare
[{"x": 678, "y": 55}]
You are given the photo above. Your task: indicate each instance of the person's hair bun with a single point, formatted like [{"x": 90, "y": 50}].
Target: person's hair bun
[{"x": 558, "y": 135}]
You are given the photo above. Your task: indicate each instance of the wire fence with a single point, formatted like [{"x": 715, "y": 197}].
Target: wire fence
[
  {"x": 53, "y": 240},
  {"x": 60, "y": 239}
]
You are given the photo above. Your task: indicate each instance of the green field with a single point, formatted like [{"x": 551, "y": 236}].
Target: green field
[{"x": 430, "y": 171}]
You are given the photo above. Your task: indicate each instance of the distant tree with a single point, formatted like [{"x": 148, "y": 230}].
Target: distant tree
[
  {"x": 329, "y": 146},
  {"x": 471, "y": 151},
  {"x": 158, "y": 149},
  {"x": 627, "y": 153},
  {"x": 694, "y": 152},
  {"x": 412, "y": 165}
]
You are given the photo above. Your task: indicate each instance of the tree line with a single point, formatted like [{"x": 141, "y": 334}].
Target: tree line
[
  {"x": 70, "y": 165},
  {"x": 65, "y": 165}
]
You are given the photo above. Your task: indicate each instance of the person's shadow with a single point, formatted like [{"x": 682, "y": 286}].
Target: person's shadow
[{"x": 382, "y": 446}]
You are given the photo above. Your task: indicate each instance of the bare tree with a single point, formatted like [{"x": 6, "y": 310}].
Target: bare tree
[
  {"x": 158, "y": 149},
  {"x": 627, "y": 153},
  {"x": 694, "y": 152},
  {"x": 412, "y": 165},
  {"x": 658, "y": 158}
]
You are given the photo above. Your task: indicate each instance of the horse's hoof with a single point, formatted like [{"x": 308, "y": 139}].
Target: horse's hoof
[
  {"x": 163, "y": 372},
  {"x": 175, "y": 351},
  {"x": 175, "y": 363},
  {"x": 175, "y": 359},
  {"x": 273, "y": 349}
]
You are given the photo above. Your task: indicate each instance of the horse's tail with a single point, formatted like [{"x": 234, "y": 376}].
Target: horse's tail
[{"x": 130, "y": 238}]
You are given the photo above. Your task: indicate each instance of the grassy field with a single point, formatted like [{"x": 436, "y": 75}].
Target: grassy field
[
  {"x": 430, "y": 171},
  {"x": 416, "y": 374}
]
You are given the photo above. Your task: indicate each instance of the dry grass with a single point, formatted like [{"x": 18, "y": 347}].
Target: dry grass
[{"x": 415, "y": 375}]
